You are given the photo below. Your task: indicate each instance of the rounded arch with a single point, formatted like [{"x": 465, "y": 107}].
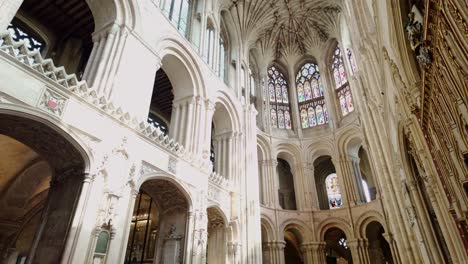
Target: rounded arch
[
  {"x": 167, "y": 177},
  {"x": 226, "y": 115},
  {"x": 123, "y": 13},
  {"x": 28, "y": 114},
  {"x": 364, "y": 220},
  {"x": 333, "y": 222},
  {"x": 316, "y": 150},
  {"x": 263, "y": 147},
  {"x": 289, "y": 152},
  {"x": 350, "y": 140},
  {"x": 182, "y": 69},
  {"x": 219, "y": 212},
  {"x": 296, "y": 224},
  {"x": 267, "y": 225}
]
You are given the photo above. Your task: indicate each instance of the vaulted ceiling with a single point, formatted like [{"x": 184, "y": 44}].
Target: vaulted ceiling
[{"x": 285, "y": 27}]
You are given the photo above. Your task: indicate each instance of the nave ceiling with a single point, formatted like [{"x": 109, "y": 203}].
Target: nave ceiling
[{"x": 282, "y": 28}]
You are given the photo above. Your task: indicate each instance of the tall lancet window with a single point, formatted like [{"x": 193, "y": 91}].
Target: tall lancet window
[
  {"x": 312, "y": 108},
  {"x": 333, "y": 191},
  {"x": 280, "y": 112},
  {"x": 341, "y": 83},
  {"x": 178, "y": 12}
]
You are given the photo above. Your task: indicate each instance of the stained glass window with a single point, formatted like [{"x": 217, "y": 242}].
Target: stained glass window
[
  {"x": 310, "y": 96},
  {"x": 341, "y": 83},
  {"x": 279, "y": 99},
  {"x": 333, "y": 191}
]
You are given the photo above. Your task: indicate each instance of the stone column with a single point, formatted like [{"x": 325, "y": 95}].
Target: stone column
[
  {"x": 274, "y": 252},
  {"x": 104, "y": 59},
  {"x": 354, "y": 161},
  {"x": 358, "y": 251},
  {"x": 57, "y": 216},
  {"x": 314, "y": 252},
  {"x": 329, "y": 93},
  {"x": 393, "y": 247},
  {"x": 8, "y": 10},
  {"x": 347, "y": 184},
  {"x": 182, "y": 123},
  {"x": 310, "y": 189},
  {"x": 272, "y": 184}
]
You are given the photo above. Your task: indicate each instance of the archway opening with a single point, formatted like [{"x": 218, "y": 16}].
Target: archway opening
[
  {"x": 379, "y": 249},
  {"x": 217, "y": 238},
  {"x": 369, "y": 190},
  {"x": 223, "y": 140},
  {"x": 286, "y": 192},
  {"x": 160, "y": 111},
  {"x": 326, "y": 181},
  {"x": 292, "y": 249},
  {"x": 40, "y": 185},
  {"x": 336, "y": 249},
  {"x": 158, "y": 225},
  {"x": 60, "y": 30}
]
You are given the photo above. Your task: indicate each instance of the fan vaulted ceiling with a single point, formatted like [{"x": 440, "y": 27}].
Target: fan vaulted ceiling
[{"x": 285, "y": 27}]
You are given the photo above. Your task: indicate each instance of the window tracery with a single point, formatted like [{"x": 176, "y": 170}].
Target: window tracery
[
  {"x": 333, "y": 191},
  {"x": 312, "y": 108},
  {"x": 341, "y": 83},
  {"x": 280, "y": 113},
  {"x": 221, "y": 58},
  {"x": 210, "y": 46}
]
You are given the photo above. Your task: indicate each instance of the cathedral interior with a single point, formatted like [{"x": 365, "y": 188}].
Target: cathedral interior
[{"x": 233, "y": 131}]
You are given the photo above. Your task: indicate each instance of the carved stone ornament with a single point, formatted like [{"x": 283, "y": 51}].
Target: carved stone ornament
[
  {"x": 172, "y": 166},
  {"x": 414, "y": 28},
  {"x": 147, "y": 168},
  {"x": 52, "y": 102},
  {"x": 424, "y": 57}
]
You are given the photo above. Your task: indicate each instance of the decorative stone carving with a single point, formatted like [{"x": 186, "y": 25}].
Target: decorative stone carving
[
  {"x": 414, "y": 28},
  {"x": 52, "y": 102},
  {"x": 172, "y": 166},
  {"x": 424, "y": 57}
]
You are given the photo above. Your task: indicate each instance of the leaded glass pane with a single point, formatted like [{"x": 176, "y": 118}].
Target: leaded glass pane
[
  {"x": 287, "y": 119},
  {"x": 280, "y": 119},
  {"x": 333, "y": 191},
  {"x": 300, "y": 93},
  {"x": 312, "y": 118},
  {"x": 310, "y": 95},
  {"x": 319, "y": 114},
  {"x": 274, "y": 120},
  {"x": 304, "y": 118}
]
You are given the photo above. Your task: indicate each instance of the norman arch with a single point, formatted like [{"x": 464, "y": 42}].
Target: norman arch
[{"x": 48, "y": 179}]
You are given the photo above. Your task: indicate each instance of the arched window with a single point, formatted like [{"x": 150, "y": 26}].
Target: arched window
[
  {"x": 333, "y": 191},
  {"x": 210, "y": 46},
  {"x": 178, "y": 12},
  {"x": 341, "y": 83},
  {"x": 312, "y": 107},
  {"x": 279, "y": 99}
]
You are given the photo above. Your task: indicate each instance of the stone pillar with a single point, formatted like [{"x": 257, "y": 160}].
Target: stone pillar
[
  {"x": 393, "y": 247},
  {"x": 273, "y": 252},
  {"x": 207, "y": 119},
  {"x": 314, "y": 252},
  {"x": 271, "y": 183},
  {"x": 104, "y": 59},
  {"x": 182, "y": 123},
  {"x": 200, "y": 237},
  {"x": 310, "y": 189},
  {"x": 329, "y": 93},
  {"x": 57, "y": 216},
  {"x": 358, "y": 251},
  {"x": 234, "y": 251},
  {"x": 347, "y": 182},
  {"x": 354, "y": 161},
  {"x": 8, "y": 10}
]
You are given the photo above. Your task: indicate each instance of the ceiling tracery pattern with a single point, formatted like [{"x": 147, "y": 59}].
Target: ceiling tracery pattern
[{"x": 287, "y": 27}]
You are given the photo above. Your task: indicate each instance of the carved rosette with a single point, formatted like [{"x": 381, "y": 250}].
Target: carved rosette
[{"x": 52, "y": 102}]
